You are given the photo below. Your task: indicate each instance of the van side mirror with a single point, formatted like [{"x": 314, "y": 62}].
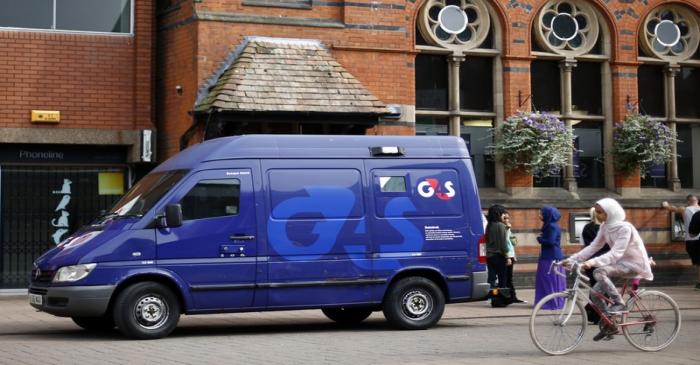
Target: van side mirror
[{"x": 173, "y": 215}]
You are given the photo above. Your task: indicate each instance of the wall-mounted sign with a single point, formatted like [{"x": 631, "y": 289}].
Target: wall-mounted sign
[
  {"x": 46, "y": 116},
  {"x": 38, "y": 153},
  {"x": 146, "y": 151}
]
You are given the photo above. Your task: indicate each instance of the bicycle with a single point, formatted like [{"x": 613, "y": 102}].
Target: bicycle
[{"x": 558, "y": 321}]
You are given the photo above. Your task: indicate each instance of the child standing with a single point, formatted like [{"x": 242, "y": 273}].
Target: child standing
[
  {"x": 511, "y": 241},
  {"x": 547, "y": 282}
]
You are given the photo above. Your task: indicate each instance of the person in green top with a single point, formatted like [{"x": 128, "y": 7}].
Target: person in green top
[{"x": 497, "y": 246}]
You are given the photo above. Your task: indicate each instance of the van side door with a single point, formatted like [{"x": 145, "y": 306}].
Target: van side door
[
  {"x": 215, "y": 249},
  {"x": 316, "y": 234}
]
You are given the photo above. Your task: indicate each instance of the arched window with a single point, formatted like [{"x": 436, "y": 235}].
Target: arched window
[
  {"x": 570, "y": 77},
  {"x": 669, "y": 83},
  {"x": 458, "y": 77}
]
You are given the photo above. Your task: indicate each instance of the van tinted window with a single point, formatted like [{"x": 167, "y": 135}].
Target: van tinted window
[
  {"x": 315, "y": 194},
  {"x": 392, "y": 184},
  {"x": 212, "y": 198}
]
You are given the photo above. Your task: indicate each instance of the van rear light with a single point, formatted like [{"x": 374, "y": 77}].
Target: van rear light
[{"x": 482, "y": 249}]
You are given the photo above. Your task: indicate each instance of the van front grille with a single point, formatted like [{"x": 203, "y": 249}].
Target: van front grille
[{"x": 43, "y": 276}]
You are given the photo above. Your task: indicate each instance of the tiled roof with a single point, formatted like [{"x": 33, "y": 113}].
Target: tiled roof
[{"x": 285, "y": 75}]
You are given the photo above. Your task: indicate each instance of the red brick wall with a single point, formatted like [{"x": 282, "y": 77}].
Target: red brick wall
[
  {"x": 383, "y": 60},
  {"x": 176, "y": 48},
  {"x": 95, "y": 81}
]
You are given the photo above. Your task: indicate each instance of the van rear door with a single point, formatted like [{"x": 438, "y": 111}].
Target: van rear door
[{"x": 215, "y": 249}]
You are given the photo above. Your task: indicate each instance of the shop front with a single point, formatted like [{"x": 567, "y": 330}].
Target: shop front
[{"x": 49, "y": 191}]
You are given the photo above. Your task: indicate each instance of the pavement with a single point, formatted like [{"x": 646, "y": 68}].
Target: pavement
[
  {"x": 15, "y": 311},
  {"x": 469, "y": 333}
]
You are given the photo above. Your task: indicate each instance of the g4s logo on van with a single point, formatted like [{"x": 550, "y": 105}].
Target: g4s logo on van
[{"x": 431, "y": 187}]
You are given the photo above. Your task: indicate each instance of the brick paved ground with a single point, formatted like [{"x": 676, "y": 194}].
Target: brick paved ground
[{"x": 470, "y": 333}]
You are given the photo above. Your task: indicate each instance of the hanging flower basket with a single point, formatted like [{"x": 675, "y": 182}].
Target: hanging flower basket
[
  {"x": 536, "y": 143},
  {"x": 639, "y": 143}
]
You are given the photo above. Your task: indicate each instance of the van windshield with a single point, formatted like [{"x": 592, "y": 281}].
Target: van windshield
[{"x": 147, "y": 192}]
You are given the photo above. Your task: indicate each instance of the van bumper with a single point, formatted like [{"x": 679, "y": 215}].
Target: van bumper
[
  {"x": 73, "y": 301},
  {"x": 481, "y": 285}
]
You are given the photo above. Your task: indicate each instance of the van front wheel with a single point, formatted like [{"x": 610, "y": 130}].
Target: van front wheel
[
  {"x": 347, "y": 315},
  {"x": 146, "y": 310},
  {"x": 414, "y": 303}
]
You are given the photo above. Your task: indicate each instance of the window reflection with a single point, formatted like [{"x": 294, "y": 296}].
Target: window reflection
[
  {"x": 545, "y": 86},
  {"x": 687, "y": 82},
  {"x": 586, "y": 90},
  {"x": 650, "y": 87},
  {"x": 589, "y": 168},
  {"x": 476, "y": 134},
  {"x": 476, "y": 84},
  {"x": 431, "y": 82}
]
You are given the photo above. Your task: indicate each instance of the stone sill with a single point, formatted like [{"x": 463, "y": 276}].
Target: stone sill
[{"x": 583, "y": 198}]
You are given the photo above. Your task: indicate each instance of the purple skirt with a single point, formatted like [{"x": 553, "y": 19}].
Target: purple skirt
[{"x": 548, "y": 283}]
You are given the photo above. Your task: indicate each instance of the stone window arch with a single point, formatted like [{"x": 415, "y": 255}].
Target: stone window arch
[
  {"x": 454, "y": 24},
  {"x": 670, "y": 32},
  {"x": 458, "y": 76},
  {"x": 571, "y": 78},
  {"x": 668, "y": 85},
  {"x": 568, "y": 28}
]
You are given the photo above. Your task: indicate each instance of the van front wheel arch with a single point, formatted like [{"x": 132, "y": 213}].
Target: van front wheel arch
[
  {"x": 146, "y": 310},
  {"x": 414, "y": 303}
]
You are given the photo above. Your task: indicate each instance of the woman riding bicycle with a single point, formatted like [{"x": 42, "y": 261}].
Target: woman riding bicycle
[{"x": 627, "y": 257}]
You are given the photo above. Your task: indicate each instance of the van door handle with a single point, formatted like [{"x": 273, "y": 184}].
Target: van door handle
[{"x": 242, "y": 238}]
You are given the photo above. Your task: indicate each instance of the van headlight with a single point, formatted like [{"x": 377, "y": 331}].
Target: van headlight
[{"x": 73, "y": 273}]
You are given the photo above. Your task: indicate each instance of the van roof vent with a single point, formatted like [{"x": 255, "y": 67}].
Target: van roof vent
[{"x": 387, "y": 151}]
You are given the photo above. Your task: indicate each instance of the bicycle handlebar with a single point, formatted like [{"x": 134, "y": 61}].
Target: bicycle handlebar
[{"x": 575, "y": 267}]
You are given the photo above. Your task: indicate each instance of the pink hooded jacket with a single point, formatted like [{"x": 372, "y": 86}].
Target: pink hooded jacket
[{"x": 625, "y": 243}]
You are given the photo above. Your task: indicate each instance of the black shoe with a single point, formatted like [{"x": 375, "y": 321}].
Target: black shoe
[
  {"x": 516, "y": 300},
  {"x": 604, "y": 333}
]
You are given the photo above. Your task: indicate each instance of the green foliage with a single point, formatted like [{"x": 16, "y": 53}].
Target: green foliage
[
  {"x": 537, "y": 142},
  {"x": 640, "y": 142}
]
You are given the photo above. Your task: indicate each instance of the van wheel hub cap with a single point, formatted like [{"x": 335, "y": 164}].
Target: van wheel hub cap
[
  {"x": 151, "y": 312},
  {"x": 417, "y": 305}
]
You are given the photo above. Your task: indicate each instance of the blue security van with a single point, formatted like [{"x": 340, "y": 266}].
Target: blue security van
[{"x": 345, "y": 224}]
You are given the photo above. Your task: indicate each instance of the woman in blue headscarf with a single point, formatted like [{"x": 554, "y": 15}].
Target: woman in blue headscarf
[{"x": 549, "y": 282}]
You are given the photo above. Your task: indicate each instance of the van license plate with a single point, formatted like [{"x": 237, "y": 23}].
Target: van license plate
[{"x": 36, "y": 299}]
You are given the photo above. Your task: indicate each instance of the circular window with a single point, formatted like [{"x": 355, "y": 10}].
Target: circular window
[
  {"x": 667, "y": 33},
  {"x": 452, "y": 19},
  {"x": 670, "y": 32},
  {"x": 455, "y": 24},
  {"x": 568, "y": 27},
  {"x": 564, "y": 27}
]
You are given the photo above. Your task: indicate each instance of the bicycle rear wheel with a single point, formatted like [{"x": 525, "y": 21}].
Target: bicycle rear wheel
[
  {"x": 653, "y": 321},
  {"x": 558, "y": 323}
]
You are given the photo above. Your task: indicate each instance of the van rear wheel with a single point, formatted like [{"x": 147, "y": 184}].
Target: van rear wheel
[
  {"x": 347, "y": 315},
  {"x": 105, "y": 323},
  {"x": 414, "y": 303},
  {"x": 146, "y": 310}
]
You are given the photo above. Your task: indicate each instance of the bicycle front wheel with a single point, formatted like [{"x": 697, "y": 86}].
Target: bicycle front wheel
[
  {"x": 653, "y": 321},
  {"x": 558, "y": 323}
]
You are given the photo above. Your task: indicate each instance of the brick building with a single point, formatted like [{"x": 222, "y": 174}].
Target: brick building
[
  {"x": 76, "y": 95},
  {"x": 455, "y": 67}
]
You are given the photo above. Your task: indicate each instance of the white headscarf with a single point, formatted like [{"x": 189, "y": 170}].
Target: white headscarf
[{"x": 615, "y": 212}]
